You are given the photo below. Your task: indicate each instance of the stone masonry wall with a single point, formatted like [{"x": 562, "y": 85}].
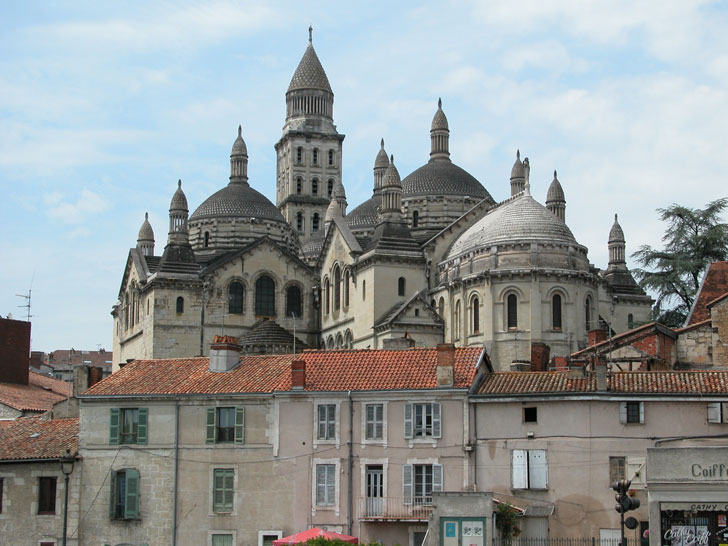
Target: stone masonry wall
[
  {"x": 719, "y": 316},
  {"x": 694, "y": 346}
]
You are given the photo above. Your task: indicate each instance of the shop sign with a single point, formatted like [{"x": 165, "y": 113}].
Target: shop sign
[
  {"x": 687, "y": 535},
  {"x": 695, "y": 506},
  {"x": 715, "y": 471}
]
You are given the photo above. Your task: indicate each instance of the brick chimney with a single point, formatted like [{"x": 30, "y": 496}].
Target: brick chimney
[
  {"x": 601, "y": 372},
  {"x": 14, "y": 351},
  {"x": 540, "y": 353},
  {"x": 298, "y": 375},
  {"x": 445, "y": 365},
  {"x": 596, "y": 336},
  {"x": 224, "y": 353}
]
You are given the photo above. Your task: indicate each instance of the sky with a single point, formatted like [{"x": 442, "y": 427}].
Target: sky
[{"x": 104, "y": 106}]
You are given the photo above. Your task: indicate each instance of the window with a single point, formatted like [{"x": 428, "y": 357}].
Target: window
[
  {"x": 415, "y": 219},
  {"x": 46, "y": 495},
  {"x": 219, "y": 539},
  {"x": 475, "y": 315},
  {"x": 326, "y": 422},
  {"x": 375, "y": 422},
  {"x": 223, "y": 489},
  {"x": 400, "y": 286},
  {"x": 180, "y": 304},
  {"x": 419, "y": 481},
  {"x": 128, "y": 426},
  {"x": 330, "y": 187},
  {"x": 528, "y": 469},
  {"x": 587, "y": 315},
  {"x": 349, "y": 340},
  {"x": 422, "y": 421},
  {"x": 530, "y": 415},
  {"x": 207, "y": 239},
  {"x": 512, "y": 319},
  {"x": 630, "y": 321},
  {"x": 717, "y": 412},
  {"x": 315, "y": 221},
  {"x": 236, "y": 298},
  {"x": 337, "y": 288},
  {"x": 293, "y": 301},
  {"x": 456, "y": 321},
  {"x": 327, "y": 296},
  {"x": 265, "y": 296},
  {"x": 299, "y": 155},
  {"x": 315, "y": 156},
  {"x": 299, "y": 221},
  {"x": 441, "y": 307},
  {"x": 331, "y": 157},
  {"x": 225, "y": 425},
  {"x": 1, "y": 495},
  {"x": 617, "y": 469},
  {"x": 347, "y": 277},
  {"x": 314, "y": 186},
  {"x": 632, "y": 413},
  {"x": 556, "y": 312},
  {"x": 124, "y": 494},
  {"x": 325, "y": 485},
  {"x": 363, "y": 290},
  {"x": 299, "y": 185}
]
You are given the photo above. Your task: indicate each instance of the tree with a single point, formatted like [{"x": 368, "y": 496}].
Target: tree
[
  {"x": 505, "y": 521},
  {"x": 694, "y": 238}
]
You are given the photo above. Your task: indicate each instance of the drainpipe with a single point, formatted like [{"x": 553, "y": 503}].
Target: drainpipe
[
  {"x": 475, "y": 446},
  {"x": 176, "y": 472},
  {"x": 350, "y": 477}
]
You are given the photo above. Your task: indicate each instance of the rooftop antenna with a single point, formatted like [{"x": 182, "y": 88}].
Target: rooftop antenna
[{"x": 27, "y": 303}]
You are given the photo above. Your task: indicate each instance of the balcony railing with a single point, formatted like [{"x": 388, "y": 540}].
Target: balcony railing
[{"x": 395, "y": 508}]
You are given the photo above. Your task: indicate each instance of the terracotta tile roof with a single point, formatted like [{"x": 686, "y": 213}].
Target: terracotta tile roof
[
  {"x": 36, "y": 438},
  {"x": 39, "y": 395},
  {"x": 626, "y": 338},
  {"x": 343, "y": 370},
  {"x": 654, "y": 382},
  {"x": 715, "y": 284}
]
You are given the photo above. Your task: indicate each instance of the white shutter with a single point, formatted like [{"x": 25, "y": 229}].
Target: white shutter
[
  {"x": 642, "y": 413},
  {"x": 371, "y": 411},
  {"x": 320, "y": 485},
  {"x": 330, "y": 484},
  {"x": 321, "y": 422},
  {"x": 519, "y": 469},
  {"x": 408, "y": 420},
  {"x": 724, "y": 411},
  {"x": 537, "y": 471},
  {"x": 623, "y": 412},
  {"x": 436, "y": 421},
  {"x": 437, "y": 477},
  {"x": 379, "y": 421},
  {"x": 714, "y": 412},
  {"x": 407, "y": 484},
  {"x": 331, "y": 422},
  {"x": 636, "y": 471}
]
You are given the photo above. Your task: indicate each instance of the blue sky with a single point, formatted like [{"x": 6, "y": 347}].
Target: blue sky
[{"x": 103, "y": 106}]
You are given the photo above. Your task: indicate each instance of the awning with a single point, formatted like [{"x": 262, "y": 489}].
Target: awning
[{"x": 314, "y": 532}]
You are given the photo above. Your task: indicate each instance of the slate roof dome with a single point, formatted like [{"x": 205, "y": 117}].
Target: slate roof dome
[
  {"x": 146, "y": 233},
  {"x": 382, "y": 159},
  {"x": 179, "y": 199},
  {"x": 616, "y": 235},
  {"x": 309, "y": 74},
  {"x": 442, "y": 178},
  {"x": 439, "y": 121},
  {"x": 556, "y": 192},
  {"x": 518, "y": 170},
  {"x": 365, "y": 215},
  {"x": 237, "y": 201},
  {"x": 519, "y": 220},
  {"x": 239, "y": 146}
]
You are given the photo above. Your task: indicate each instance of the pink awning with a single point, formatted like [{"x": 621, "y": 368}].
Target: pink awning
[{"x": 314, "y": 532}]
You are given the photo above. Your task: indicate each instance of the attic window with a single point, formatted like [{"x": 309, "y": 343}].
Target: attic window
[{"x": 417, "y": 312}]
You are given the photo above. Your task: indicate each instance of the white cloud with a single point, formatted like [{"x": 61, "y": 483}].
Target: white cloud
[{"x": 77, "y": 212}]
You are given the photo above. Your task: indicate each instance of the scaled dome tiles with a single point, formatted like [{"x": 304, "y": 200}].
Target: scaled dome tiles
[
  {"x": 237, "y": 201},
  {"x": 442, "y": 178},
  {"x": 519, "y": 220}
]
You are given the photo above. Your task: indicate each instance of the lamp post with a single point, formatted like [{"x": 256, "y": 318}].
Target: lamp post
[{"x": 67, "y": 468}]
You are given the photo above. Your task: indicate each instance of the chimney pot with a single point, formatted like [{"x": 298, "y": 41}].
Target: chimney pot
[
  {"x": 224, "y": 353},
  {"x": 596, "y": 336},
  {"x": 298, "y": 375},
  {"x": 445, "y": 365}
]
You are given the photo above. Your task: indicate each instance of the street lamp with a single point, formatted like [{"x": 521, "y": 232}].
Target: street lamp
[{"x": 67, "y": 468}]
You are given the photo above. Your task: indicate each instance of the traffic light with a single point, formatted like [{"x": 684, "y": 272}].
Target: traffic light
[{"x": 625, "y": 503}]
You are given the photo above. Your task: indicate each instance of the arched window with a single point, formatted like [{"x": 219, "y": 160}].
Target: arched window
[
  {"x": 236, "y": 298},
  {"x": 315, "y": 156},
  {"x": 331, "y": 157},
  {"x": 588, "y": 314},
  {"x": 337, "y": 288},
  {"x": 630, "y": 321},
  {"x": 347, "y": 278},
  {"x": 339, "y": 341},
  {"x": 475, "y": 314},
  {"x": 299, "y": 185},
  {"x": 400, "y": 286},
  {"x": 299, "y": 155},
  {"x": 314, "y": 186},
  {"x": 363, "y": 290},
  {"x": 315, "y": 221},
  {"x": 330, "y": 186},
  {"x": 207, "y": 239},
  {"x": 556, "y": 311},
  {"x": 265, "y": 296},
  {"x": 441, "y": 307},
  {"x": 299, "y": 221},
  {"x": 330, "y": 342},
  {"x": 456, "y": 322},
  {"x": 293, "y": 301},
  {"x": 348, "y": 340},
  {"x": 327, "y": 295},
  {"x": 415, "y": 219},
  {"x": 180, "y": 304},
  {"x": 512, "y": 319}
]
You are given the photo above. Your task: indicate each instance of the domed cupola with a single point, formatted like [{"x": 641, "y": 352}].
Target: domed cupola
[
  {"x": 309, "y": 93},
  {"x": 439, "y": 136},
  {"x": 380, "y": 166},
  {"x": 145, "y": 240},
  {"x": 617, "y": 245},
  {"x": 518, "y": 175},
  {"x": 337, "y": 205},
  {"x": 362, "y": 219},
  {"x": 178, "y": 211},
  {"x": 555, "y": 200},
  {"x": 239, "y": 160},
  {"x": 391, "y": 207}
]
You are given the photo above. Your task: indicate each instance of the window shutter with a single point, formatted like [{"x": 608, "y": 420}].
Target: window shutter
[
  {"x": 436, "y": 421},
  {"x": 142, "y": 430},
  {"x": 239, "y": 425},
  {"x": 408, "y": 422},
  {"x": 437, "y": 477},
  {"x": 229, "y": 490},
  {"x": 407, "y": 483},
  {"x": 131, "y": 508},
  {"x": 714, "y": 412},
  {"x": 320, "y": 484},
  {"x": 623, "y": 412},
  {"x": 114, "y": 414},
  {"x": 112, "y": 494},
  {"x": 379, "y": 421},
  {"x": 331, "y": 484},
  {"x": 321, "y": 422},
  {"x": 642, "y": 413},
  {"x": 331, "y": 422},
  {"x": 537, "y": 470},
  {"x": 519, "y": 469},
  {"x": 211, "y": 417},
  {"x": 370, "y": 421},
  {"x": 636, "y": 470},
  {"x": 724, "y": 412}
]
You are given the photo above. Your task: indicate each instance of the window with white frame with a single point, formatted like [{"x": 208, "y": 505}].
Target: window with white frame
[
  {"x": 223, "y": 490},
  {"x": 222, "y": 539},
  {"x": 717, "y": 412},
  {"x": 374, "y": 422},
  {"x": 326, "y": 422},
  {"x": 419, "y": 481},
  {"x": 422, "y": 420},
  {"x": 325, "y": 484},
  {"x": 529, "y": 469},
  {"x": 632, "y": 413},
  {"x": 617, "y": 469},
  {"x": 628, "y": 468}
]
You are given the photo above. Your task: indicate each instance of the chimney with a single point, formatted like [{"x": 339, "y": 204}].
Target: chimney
[
  {"x": 224, "y": 353},
  {"x": 95, "y": 374},
  {"x": 601, "y": 367},
  {"x": 597, "y": 336},
  {"x": 298, "y": 375},
  {"x": 445, "y": 365},
  {"x": 540, "y": 353},
  {"x": 14, "y": 351},
  {"x": 36, "y": 359},
  {"x": 576, "y": 370},
  {"x": 396, "y": 343}
]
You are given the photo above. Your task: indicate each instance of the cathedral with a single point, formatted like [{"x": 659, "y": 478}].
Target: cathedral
[{"x": 429, "y": 258}]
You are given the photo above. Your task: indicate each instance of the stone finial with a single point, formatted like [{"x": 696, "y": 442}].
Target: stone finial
[
  {"x": 518, "y": 154},
  {"x": 391, "y": 159},
  {"x": 240, "y": 131},
  {"x": 439, "y": 102},
  {"x": 310, "y": 34},
  {"x": 555, "y": 174},
  {"x": 382, "y": 143},
  {"x": 179, "y": 183}
]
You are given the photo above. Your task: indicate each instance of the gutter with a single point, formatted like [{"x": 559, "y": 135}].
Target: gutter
[
  {"x": 176, "y": 473},
  {"x": 350, "y": 468}
]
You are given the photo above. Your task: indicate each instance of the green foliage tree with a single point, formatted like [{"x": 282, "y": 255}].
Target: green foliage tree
[
  {"x": 693, "y": 239},
  {"x": 505, "y": 521}
]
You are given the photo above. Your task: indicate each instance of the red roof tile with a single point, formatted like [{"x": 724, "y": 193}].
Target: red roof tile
[
  {"x": 715, "y": 284},
  {"x": 654, "y": 382},
  {"x": 39, "y": 395},
  {"x": 357, "y": 370},
  {"x": 37, "y": 438}
]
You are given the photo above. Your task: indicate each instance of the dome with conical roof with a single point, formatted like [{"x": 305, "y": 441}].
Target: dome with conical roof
[
  {"x": 616, "y": 235},
  {"x": 556, "y": 192},
  {"x": 310, "y": 73},
  {"x": 239, "y": 146},
  {"x": 179, "y": 199},
  {"x": 237, "y": 201},
  {"x": 391, "y": 175},
  {"x": 365, "y": 215},
  {"x": 439, "y": 121},
  {"x": 382, "y": 160},
  {"x": 519, "y": 220},
  {"x": 146, "y": 233},
  {"x": 518, "y": 170},
  {"x": 442, "y": 178}
]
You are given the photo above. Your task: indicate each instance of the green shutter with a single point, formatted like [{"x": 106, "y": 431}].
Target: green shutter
[
  {"x": 211, "y": 415},
  {"x": 131, "y": 506},
  {"x": 112, "y": 493},
  {"x": 142, "y": 429},
  {"x": 239, "y": 425},
  {"x": 114, "y": 426}
]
